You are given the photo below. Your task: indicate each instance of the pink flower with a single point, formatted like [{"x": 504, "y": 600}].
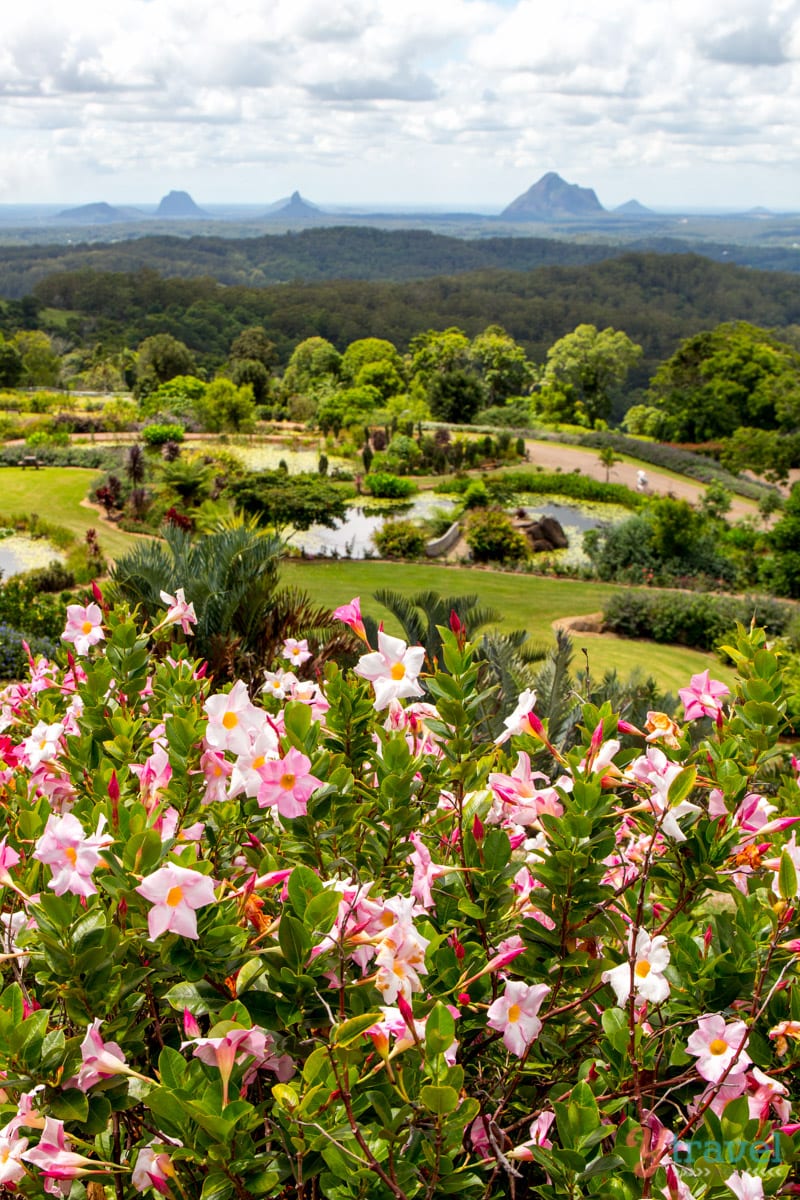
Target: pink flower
[
  {"x": 233, "y": 721},
  {"x": 745, "y": 1186},
  {"x": 519, "y": 720},
  {"x": 43, "y": 744},
  {"x": 216, "y": 769},
  {"x": 235, "y": 1047},
  {"x": 179, "y": 612},
  {"x": 153, "y": 1169},
  {"x": 350, "y": 614},
  {"x": 296, "y": 652},
  {"x": 101, "y": 1059},
  {"x": 702, "y": 698},
  {"x": 650, "y": 960},
  {"x": 12, "y": 1147},
  {"x": 425, "y": 871},
  {"x": 71, "y": 855},
  {"x": 719, "y": 1046},
  {"x": 175, "y": 893},
  {"x": 517, "y": 797},
  {"x": 676, "y": 1189},
  {"x": 392, "y": 669},
  {"x": 8, "y": 858},
  {"x": 153, "y": 775},
  {"x": 514, "y": 1014},
  {"x": 287, "y": 784},
  {"x": 54, "y": 1158},
  {"x": 83, "y": 626}
]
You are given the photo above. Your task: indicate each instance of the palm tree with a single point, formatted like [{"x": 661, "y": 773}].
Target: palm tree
[{"x": 231, "y": 575}]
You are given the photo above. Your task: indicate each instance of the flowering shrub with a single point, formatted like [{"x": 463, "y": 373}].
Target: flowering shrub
[{"x": 332, "y": 941}]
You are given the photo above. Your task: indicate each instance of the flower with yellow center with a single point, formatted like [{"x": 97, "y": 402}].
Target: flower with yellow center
[{"x": 643, "y": 971}]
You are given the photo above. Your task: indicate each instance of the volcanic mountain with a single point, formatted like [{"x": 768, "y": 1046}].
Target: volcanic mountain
[{"x": 553, "y": 198}]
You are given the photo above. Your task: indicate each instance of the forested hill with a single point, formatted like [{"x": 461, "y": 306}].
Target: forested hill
[
  {"x": 656, "y": 299},
  {"x": 341, "y": 253}
]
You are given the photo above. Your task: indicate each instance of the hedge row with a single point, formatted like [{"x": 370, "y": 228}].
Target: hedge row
[
  {"x": 104, "y": 458},
  {"x": 575, "y": 485},
  {"x": 695, "y": 619}
]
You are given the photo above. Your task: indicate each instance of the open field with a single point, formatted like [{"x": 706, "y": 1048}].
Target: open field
[
  {"x": 55, "y": 493},
  {"x": 526, "y": 601}
]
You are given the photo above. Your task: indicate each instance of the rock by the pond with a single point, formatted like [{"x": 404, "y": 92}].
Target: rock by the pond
[{"x": 545, "y": 535}]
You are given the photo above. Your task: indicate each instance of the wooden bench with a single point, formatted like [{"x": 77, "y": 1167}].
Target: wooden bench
[{"x": 30, "y": 460}]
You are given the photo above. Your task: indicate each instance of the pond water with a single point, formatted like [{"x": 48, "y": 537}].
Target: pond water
[
  {"x": 353, "y": 538},
  {"x": 267, "y": 456},
  {"x": 19, "y": 553},
  {"x": 575, "y": 517}
]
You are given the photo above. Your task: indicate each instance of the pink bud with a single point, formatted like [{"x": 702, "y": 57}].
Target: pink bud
[
  {"x": 190, "y": 1026},
  {"x": 455, "y": 624},
  {"x": 597, "y": 739},
  {"x": 113, "y": 787},
  {"x": 707, "y": 936},
  {"x": 98, "y": 595},
  {"x": 626, "y": 727},
  {"x": 464, "y": 998},
  {"x": 406, "y": 1011},
  {"x": 477, "y": 828}
]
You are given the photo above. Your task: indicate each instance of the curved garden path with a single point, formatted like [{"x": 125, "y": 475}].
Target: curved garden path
[{"x": 554, "y": 455}]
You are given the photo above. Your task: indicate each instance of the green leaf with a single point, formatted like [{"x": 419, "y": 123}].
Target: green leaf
[
  {"x": 294, "y": 941},
  {"x": 171, "y": 1068},
  {"x": 681, "y": 786},
  {"x": 615, "y": 1024},
  {"x": 440, "y": 1100},
  {"x": 321, "y": 911},
  {"x": 440, "y": 1029},
  {"x": 787, "y": 877},
  {"x": 70, "y": 1104},
  {"x": 346, "y": 1033},
  {"x": 303, "y": 885}
]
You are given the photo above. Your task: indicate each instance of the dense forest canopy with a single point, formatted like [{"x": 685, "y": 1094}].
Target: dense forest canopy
[
  {"x": 656, "y": 299},
  {"x": 346, "y": 253}
]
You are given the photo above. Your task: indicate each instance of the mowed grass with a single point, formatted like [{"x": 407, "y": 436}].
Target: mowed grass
[
  {"x": 55, "y": 493},
  {"x": 526, "y": 601}
]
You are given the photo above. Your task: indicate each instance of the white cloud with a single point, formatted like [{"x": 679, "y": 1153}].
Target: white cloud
[{"x": 350, "y": 99}]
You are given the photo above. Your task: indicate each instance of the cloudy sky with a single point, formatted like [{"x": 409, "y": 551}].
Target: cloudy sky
[{"x": 448, "y": 102}]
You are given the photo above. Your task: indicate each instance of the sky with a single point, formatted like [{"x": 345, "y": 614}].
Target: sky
[{"x": 458, "y": 103}]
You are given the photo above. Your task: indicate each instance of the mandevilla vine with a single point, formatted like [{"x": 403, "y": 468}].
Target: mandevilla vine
[{"x": 335, "y": 941}]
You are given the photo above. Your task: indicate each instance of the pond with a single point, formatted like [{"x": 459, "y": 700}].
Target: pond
[
  {"x": 267, "y": 456},
  {"x": 353, "y": 538},
  {"x": 575, "y": 517},
  {"x": 19, "y": 553}
]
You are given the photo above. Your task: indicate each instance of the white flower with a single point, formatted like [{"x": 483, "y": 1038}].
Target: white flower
[
  {"x": 650, "y": 960},
  {"x": 392, "y": 670},
  {"x": 518, "y": 721}
]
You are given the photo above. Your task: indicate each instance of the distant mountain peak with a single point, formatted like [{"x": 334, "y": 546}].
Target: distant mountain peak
[
  {"x": 552, "y": 197},
  {"x": 179, "y": 204},
  {"x": 632, "y": 208},
  {"x": 99, "y": 213}
]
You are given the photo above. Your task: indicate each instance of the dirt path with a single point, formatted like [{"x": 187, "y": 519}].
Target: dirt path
[{"x": 552, "y": 455}]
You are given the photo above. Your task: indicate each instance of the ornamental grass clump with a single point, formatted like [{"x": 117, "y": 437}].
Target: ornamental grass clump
[{"x": 337, "y": 939}]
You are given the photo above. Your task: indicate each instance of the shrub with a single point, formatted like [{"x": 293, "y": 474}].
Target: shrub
[
  {"x": 55, "y": 577},
  {"x": 14, "y": 655},
  {"x": 385, "y": 486},
  {"x": 492, "y": 537},
  {"x": 697, "y": 620},
  {"x": 161, "y": 434},
  {"x": 400, "y": 539}
]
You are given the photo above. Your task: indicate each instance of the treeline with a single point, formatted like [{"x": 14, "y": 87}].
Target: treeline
[
  {"x": 657, "y": 299},
  {"x": 345, "y": 253}
]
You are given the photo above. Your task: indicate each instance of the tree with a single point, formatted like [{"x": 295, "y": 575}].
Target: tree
[
  {"x": 455, "y": 396},
  {"x": 503, "y": 364},
  {"x": 313, "y": 361},
  {"x": 782, "y": 568},
  {"x": 41, "y": 365},
  {"x": 254, "y": 345},
  {"x": 160, "y": 358},
  {"x": 765, "y": 452},
  {"x": 608, "y": 457},
  {"x": 594, "y": 364},
  {"x": 367, "y": 351},
  {"x": 10, "y": 364},
  {"x": 227, "y": 408},
  {"x": 731, "y": 376},
  {"x": 252, "y": 372},
  {"x": 437, "y": 352},
  {"x": 346, "y": 407},
  {"x": 288, "y": 502}
]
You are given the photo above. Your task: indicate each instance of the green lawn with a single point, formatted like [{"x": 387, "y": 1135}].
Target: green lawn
[
  {"x": 55, "y": 493},
  {"x": 526, "y": 601}
]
